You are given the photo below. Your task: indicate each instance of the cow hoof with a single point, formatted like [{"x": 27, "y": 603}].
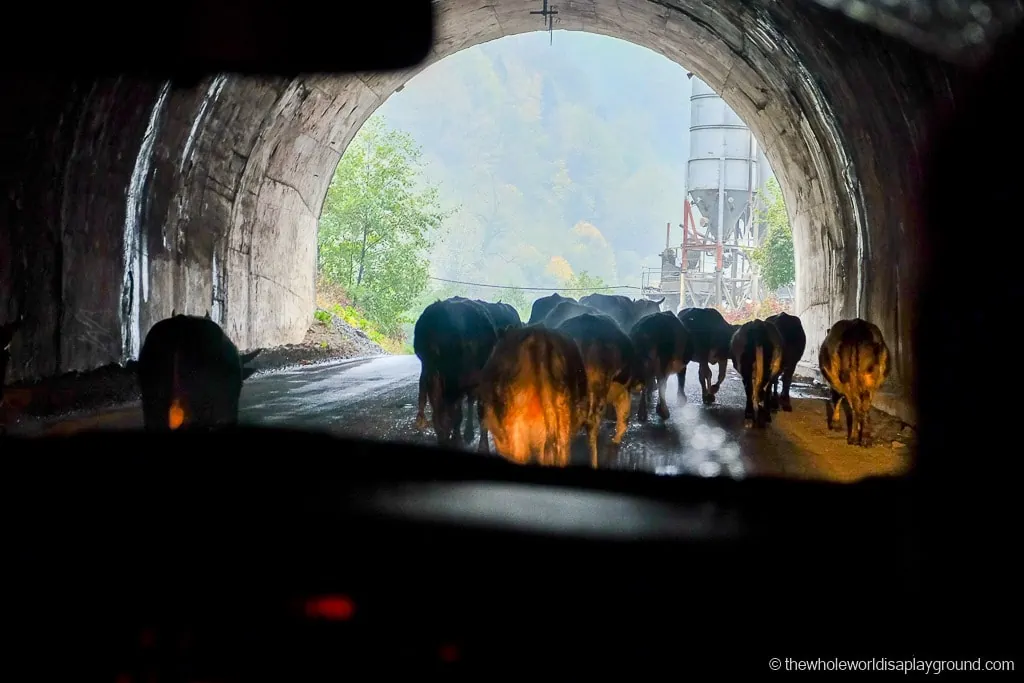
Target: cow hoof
[
  {"x": 708, "y": 399},
  {"x": 787, "y": 408},
  {"x": 421, "y": 422},
  {"x": 748, "y": 422},
  {"x": 662, "y": 411}
]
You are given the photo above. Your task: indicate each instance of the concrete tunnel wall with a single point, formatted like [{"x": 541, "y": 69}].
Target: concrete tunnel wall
[{"x": 127, "y": 200}]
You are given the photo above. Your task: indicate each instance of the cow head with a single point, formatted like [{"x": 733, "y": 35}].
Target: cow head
[
  {"x": 247, "y": 358},
  {"x": 645, "y": 307}
]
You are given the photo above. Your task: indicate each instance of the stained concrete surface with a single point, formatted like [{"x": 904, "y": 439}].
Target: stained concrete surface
[{"x": 376, "y": 398}]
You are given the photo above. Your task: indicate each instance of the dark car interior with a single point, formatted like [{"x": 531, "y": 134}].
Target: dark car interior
[{"x": 227, "y": 556}]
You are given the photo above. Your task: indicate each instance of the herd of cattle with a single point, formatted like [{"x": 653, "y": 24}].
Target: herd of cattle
[{"x": 537, "y": 385}]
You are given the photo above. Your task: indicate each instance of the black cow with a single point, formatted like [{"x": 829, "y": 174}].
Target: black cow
[
  {"x": 662, "y": 348},
  {"x": 542, "y": 306},
  {"x": 854, "y": 359},
  {"x": 610, "y": 363},
  {"x": 564, "y": 311},
  {"x": 190, "y": 374},
  {"x": 757, "y": 356},
  {"x": 712, "y": 337},
  {"x": 504, "y": 316},
  {"x": 794, "y": 342},
  {"x": 623, "y": 310},
  {"x": 7, "y": 332},
  {"x": 534, "y": 395},
  {"x": 453, "y": 339}
]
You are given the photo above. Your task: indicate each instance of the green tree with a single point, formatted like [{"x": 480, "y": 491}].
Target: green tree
[
  {"x": 581, "y": 284},
  {"x": 376, "y": 225},
  {"x": 775, "y": 255}
]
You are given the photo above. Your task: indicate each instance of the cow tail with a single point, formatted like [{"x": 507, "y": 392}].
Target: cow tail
[{"x": 758, "y": 378}]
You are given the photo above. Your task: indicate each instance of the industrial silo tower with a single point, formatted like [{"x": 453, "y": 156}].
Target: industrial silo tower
[{"x": 725, "y": 172}]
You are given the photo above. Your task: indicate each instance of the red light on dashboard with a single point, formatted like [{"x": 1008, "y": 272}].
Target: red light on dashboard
[
  {"x": 332, "y": 607},
  {"x": 448, "y": 653}
]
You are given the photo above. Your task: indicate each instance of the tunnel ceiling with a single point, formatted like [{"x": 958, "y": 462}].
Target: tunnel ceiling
[
  {"x": 134, "y": 199},
  {"x": 961, "y": 31}
]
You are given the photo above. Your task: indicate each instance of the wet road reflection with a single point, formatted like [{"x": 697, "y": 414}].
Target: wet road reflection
[{"x": 376, "y": 398}]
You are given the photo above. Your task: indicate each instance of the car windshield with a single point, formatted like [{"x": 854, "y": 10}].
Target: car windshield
[{"x": 595, "y": 247}]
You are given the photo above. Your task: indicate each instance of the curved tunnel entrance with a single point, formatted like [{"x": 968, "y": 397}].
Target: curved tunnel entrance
[
  {"x": 136, "y": 200},
  {"x": 520, "y": 170}
]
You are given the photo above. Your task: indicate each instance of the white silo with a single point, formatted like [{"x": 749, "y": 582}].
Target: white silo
[{"x": 725, "y": 171}]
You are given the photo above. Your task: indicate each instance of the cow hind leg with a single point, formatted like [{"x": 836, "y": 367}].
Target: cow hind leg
[
  {"x": 484, "y": 446},
  {"x": 421, "y": 407},
  {"x": 681, "y": 378},
  {"x": 704, "y": 374},
  {"x": 592, "y": 431},
  {"x": 862, "y": 423},
  {"x": 645, "y": 400},
  {"x": 468, "y": 432},
  {"x": 787, "y": 380},
  {"x": 618, "y": 397},
  {"x": 723, "y": 366},
  {"x": 764, "y": 411},
  {"x": 662, "y": 403},
  {"x": 456, "y": 425},
  {"x": 748, "y": 410},
  {"x": 832, "y": 407}
]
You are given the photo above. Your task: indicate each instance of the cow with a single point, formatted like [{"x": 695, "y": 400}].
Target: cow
[
  {"x": 534, "y": 395},
  {"x": 756, "y": 352},
  {"x": 564, "y": 311},
  {"x": 623, "y": 310},
  {"x": 190, "y": 374},
  {"x": 542, "y": 306},
  {"x": 610, "y": 366},
  {"x": 712, "y": 338},
  {"x": 794, "y": 341},
  {"x": 504, "y": 316},
  {"x": 7, "y": 332},
  {"x": 663, "y": 347},
  {"x": 854, "y": 359},
  {"x": 453, "y": 339}
]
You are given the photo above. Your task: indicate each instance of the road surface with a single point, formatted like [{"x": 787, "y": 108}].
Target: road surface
[{"x": 376, "y": 398}]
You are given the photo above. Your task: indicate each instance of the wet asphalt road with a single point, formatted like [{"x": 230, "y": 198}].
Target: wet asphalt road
[{"x": 376, "y": 398}]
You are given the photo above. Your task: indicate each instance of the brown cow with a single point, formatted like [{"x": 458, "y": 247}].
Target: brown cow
[
  {"x": 609, "y": 359},
  {"x": 794, "y": 341},
  {"x": 854, "y": 359},
  {"x": 534, "y": 395},
  {"x": 663, "y": 347},
  {"x": 756, "y": 352},
  {"x": 711, "y": 336}
]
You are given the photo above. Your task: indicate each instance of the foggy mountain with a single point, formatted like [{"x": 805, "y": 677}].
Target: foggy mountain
[{"x": 572, "y": 153}]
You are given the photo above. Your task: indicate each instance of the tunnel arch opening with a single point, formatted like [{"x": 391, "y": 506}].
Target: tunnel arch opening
[
  {"x": 304, "y": 130},
  {"x": 230, "y": 205},
  {"x": 463, "y": 122}
]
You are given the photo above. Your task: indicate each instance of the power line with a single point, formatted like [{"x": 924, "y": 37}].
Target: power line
[{"x": 535, "y": 289}]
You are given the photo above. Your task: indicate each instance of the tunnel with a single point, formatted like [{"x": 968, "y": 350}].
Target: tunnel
[{"x": 127, "y": 199}]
